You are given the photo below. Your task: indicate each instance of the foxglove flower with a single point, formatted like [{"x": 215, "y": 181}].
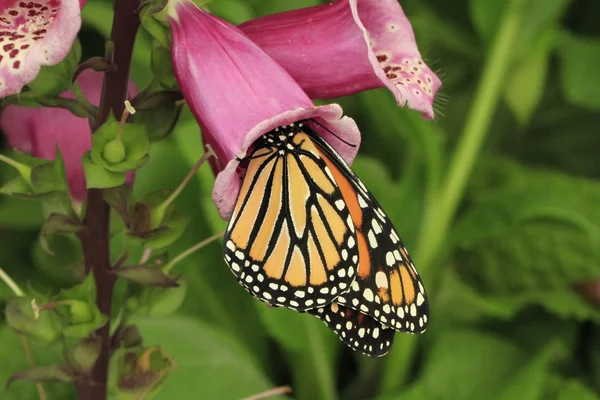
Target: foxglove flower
[
  {"x": 33, "y": 34},
  {"x": 347, "y": 46},
  {"x": 38, "y": 131},
  {"x": 238, "y": 93}
]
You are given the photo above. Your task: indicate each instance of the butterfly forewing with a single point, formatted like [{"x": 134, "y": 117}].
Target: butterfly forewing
[
  {"x": 291, "y": 240},
  {"x": 357, "y": 330},
  {"x": 388, "y": 287}
]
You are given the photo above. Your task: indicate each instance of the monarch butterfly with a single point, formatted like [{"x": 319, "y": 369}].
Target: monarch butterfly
[{"x": 306, "y": 234}]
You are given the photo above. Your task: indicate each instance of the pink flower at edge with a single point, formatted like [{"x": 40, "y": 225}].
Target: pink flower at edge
[
  {"x": 38, "y": 131},
  {"x": 238, "y": 93},
  {"x": 347, "y": 46},
  {"x": 33, "y": 34}
]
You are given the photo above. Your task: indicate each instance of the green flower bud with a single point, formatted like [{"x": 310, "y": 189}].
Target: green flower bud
[{"x": 114, "y": 151}]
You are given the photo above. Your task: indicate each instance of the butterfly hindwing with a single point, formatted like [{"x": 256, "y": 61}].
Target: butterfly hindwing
[
  {"x": 291, "y": 241},
  {"x": 388, "y": 287},
  {"x": 357, "y": 330}
]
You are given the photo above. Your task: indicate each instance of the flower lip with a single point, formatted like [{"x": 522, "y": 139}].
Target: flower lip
[
  {"x": 33, "y": 34},
  {"x": 238, "y": 93},
  {"x": 348, "y": 46}
]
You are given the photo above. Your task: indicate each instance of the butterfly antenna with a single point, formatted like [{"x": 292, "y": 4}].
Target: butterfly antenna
[{"x": 329, "y": 130}]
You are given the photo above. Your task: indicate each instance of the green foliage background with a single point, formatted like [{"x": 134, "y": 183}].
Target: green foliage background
[{"x": 501, "y": 232}]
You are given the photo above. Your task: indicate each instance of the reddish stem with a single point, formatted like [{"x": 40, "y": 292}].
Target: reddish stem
[{"x": 95, "y": 238}]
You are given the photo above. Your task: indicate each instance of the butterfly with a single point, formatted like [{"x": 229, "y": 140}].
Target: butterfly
[{"x": 306, "y": 234}]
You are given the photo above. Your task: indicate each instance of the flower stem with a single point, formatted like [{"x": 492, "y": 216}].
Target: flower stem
[
  {"x": 160, "y": 210},
  {"x": 11, "y": 284},
  {"x": 168, "y": 267},
  {"x": 439, "y": 215},
  {"x": 95, "y": 237}
]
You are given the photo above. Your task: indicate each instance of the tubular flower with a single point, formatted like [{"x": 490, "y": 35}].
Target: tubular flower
[
  {"x": 238, "y": 93},
  {"x": 347, "y": 46},
  {"x": 39, "y": 130},
  {"x": 33, "y": 34}
]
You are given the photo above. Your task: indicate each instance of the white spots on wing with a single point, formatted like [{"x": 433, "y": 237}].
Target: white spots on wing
[
  {"x": 239, "y": 255},
  {"x": 368, "y": 295},
  {"x": 235, "y": 267},
  {"x": 372, "y": 239},
  {"x": 376, "y": 226},
  {"x": 389, "y": 259},
  {"x": 230, "y": 245},
  {"x": 351, "y": 242},
  {"x": 420, "y": 299},
  {"x": 361, "y": 202},
  {"x": 339, "y": 204},
  {"x": 413, "y": 309}
]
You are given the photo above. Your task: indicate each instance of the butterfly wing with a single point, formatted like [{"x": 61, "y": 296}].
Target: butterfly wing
[
  {"x": 291, "y": 241},
  {"x": 357, "y": 330},
  {"x": 388, "y": 287}
]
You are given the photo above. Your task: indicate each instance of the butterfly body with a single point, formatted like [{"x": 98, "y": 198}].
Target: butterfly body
[{"x": 306, "y": 234}]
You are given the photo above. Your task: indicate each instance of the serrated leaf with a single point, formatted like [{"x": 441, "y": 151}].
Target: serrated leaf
[
  {"x": 49, "y": 373},
  {"x": 454, "y": 367},
  {"x": 145, "y": 275},
  {"x": 530, "y": 381},
  {"x": 533, "y": 230}
]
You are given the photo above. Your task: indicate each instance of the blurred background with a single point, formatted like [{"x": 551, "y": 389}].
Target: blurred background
[{"x": 497, "y": 199}]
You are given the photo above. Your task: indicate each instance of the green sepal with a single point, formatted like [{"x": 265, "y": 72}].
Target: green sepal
[
  {"x": 96, "y": 176},
  {"x": 165, "y": 234},
  {"x": 134, "y": 139},
  {"x": 21, "y": 317},
  {"x": 161, "y": 65},
  {"x": 84, "y": 354},
  {"x": 119, "y": 198},
  {"x": 84, "y": 291},
  {"x": 58, "y": 224},
  {"x": 83, "y": 329},
  {"x": 46, "y": 373},
  {"x": 65, "y": 266},
  {"x": 130, "y": 337},
  {"x": 18, "y": 187},
  {"x": 159, "y": 31},
  {"x": 145, "y": 275},
  {"x": 143, "y": 372},
  {"x": 56, "y": 79},
  {"x": 160, "y": 302},
  {"x": 161, "y": 122}
]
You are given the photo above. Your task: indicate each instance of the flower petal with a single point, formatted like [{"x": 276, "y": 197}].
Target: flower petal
[
  {"x": 238, "y": 93},
  {"x": 348, "y": 46},
  {"x": 39, "y": 130},
  {"x": 33, "y": 34}
]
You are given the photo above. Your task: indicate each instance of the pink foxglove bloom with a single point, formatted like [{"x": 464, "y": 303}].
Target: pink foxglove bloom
[
  {"x": 38, "y": 131},
  {"x": 238, "y": 93},
  {"x": 347, "y": 46},
  {"x": 33, "y": 34}
]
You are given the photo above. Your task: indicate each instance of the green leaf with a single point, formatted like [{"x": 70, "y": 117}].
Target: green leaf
[
  {"x": 145, "y": 275},
  {"x": 311, "y": 348},
  {"x": 580, "y": 62},
  {"x": 526, "y": 84},
  {"x": 96, "y": 176},
  {"x": 454, "y": 366},
  {"x": 48, "y": 373},
  {"x": 228, "y": 371},
  {"x": 572, "y": 389},
  {"x": 530, "y": 231},
  {"x": 529, "y": 382},
  {"x": 14, "y": 360},
  {"x": 58, "y": 224},
  {"x": 56, "y": 79},
  {"x": 65, "y": 265},
  {"x": 119, "y": 198},
  {"x": 462, "y": 302},
  {"x": 50, "y": 176}
]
